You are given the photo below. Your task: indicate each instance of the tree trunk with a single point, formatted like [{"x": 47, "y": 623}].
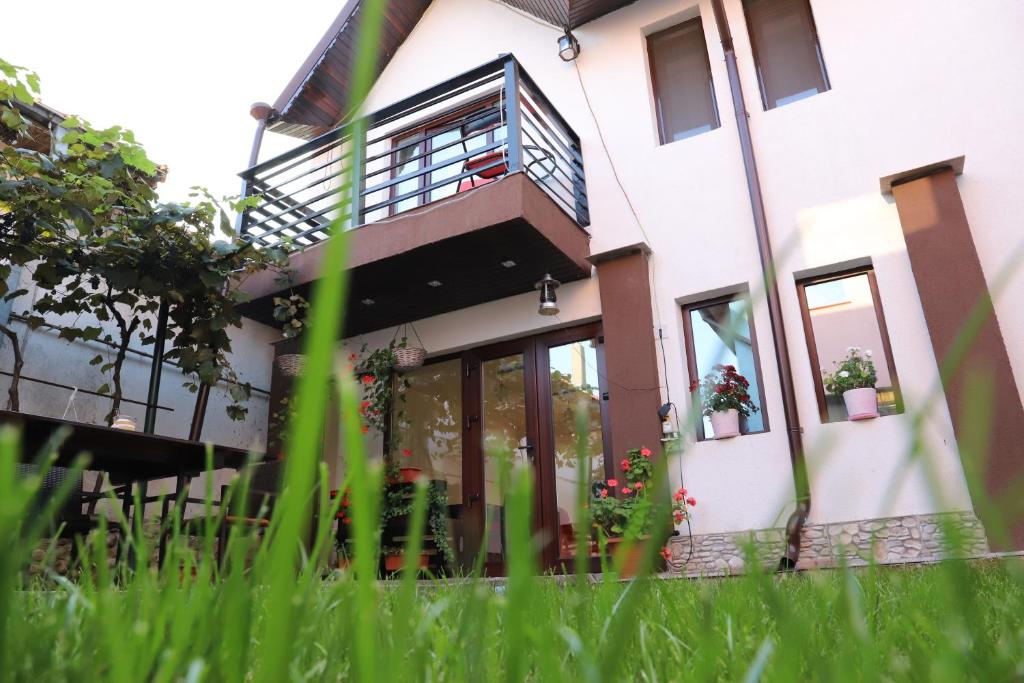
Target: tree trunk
[
  {"x": 13, "y": 402},
  {"x": 122, "y": 352}
]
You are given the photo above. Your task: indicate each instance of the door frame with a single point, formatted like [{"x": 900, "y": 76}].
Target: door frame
[{"x": 539, "y": 433}]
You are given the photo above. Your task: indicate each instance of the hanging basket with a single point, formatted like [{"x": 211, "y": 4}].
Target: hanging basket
[
  {"x": 291, "y": 364},
  {"x": 408, "y": 356}
]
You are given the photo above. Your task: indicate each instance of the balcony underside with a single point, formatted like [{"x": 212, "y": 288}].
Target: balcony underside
[{"x": 460, "y": 242}]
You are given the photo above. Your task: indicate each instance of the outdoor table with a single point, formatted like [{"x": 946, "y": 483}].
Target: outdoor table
[{"x": 131, "y": 458}]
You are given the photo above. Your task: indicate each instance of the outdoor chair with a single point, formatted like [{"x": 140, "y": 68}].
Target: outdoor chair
[
  {"x": 256, "y": 507},
  {"x": 69, "y": 520}
]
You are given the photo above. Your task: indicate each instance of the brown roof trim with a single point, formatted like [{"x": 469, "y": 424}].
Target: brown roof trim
[
  {"x": 312, "y": 103},
  {"x": 291, "y": 91}
]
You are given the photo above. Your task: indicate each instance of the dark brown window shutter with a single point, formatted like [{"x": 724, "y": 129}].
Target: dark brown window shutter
[
  {"x": 681, "y": 76},
  {"x": 786, "y": 49}
]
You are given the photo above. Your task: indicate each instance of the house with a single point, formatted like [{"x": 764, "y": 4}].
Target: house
[{"x": 652, "y": 158}]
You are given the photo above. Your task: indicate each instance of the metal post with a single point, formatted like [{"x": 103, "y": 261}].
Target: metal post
[
  {"x": 358, "y": 171},
  {"x": 513, "y": 122},
  {"x": 155, "y": 370},
  {"x": 199, "y": 414}
]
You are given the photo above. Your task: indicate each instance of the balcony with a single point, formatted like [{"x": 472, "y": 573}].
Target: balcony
[{"x": 466, "y": 192}]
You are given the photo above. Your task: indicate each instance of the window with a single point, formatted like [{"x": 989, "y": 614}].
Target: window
[
  {"x": 720, "y": 332},
  {"x": 786, "y": 50},
  {"x": 440, "y": 141},
  {"x": 684, "y": 96},
  {"x": 840, "y": 311}
]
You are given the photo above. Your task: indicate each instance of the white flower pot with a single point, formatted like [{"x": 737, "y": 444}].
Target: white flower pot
[
  {"x": 861, "y": 404},
  {"x": 725, "y": 423}
]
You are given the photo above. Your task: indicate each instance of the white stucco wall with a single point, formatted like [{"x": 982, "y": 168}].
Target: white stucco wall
[
  {"x": 49, "y": 358},
  {"x": 912, "y": 83}
]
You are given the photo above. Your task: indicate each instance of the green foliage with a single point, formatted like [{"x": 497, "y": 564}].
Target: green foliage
[
  {"x": 856, "y": 371},
  {"x": 626, "y": 508},
  {"x": 101, "y": 247},
  {"x": 725, "y": 389}
]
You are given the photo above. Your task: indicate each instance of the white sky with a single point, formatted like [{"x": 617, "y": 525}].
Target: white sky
[{"x": 180, "y": 74}]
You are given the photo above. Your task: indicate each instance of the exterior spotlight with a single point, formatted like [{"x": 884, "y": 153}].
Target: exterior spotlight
[
  {"x": 568, "y": 47},
  {"x": 548, "y": 298}
]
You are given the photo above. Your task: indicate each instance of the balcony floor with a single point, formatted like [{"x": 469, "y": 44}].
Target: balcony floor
[{"x": 460, "y": 241}]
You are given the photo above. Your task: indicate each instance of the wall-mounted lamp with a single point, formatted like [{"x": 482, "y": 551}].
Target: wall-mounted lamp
[
  {"x": 568, "y": 47},
  {"x": 548, "y": 298}
]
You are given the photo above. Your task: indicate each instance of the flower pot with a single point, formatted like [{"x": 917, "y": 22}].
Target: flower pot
[
  {"x": 409, "y": 474},
  {"x": 393, "y": 563},
  {"x": 501, "y": 169},
  {"x": 409, "y": 357},
  {"x": 725, "y": 423},
  {"x": 861, "y": 404},
  {"x": 631, "y": 554},
  {"x": 291, "y": 364}
]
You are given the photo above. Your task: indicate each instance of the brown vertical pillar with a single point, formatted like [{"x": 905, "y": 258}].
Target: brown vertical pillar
[
  {"x": 631, "y": 360},
  {"x": 952, "y": 285}
]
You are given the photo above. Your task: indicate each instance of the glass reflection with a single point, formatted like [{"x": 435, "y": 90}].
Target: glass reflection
[
  {"x": 721, "y": 336},
  {"x": 574, "y": 387},
  {"x": 843, "y": 315}
]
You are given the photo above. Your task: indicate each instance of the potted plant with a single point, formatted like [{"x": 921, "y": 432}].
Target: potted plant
[
  {"x": 724, "y": 397},
  {"x": 621, "y": 510},
  {"x": 291, "y": 312},
  {"x": 397, "y": 503},
  {"x": 854, "y": 378}
]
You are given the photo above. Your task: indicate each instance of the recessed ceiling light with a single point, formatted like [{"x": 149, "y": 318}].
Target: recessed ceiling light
[
  {"x": 434, "y": 283},
  {"x": 509, "y": 263},
  {"x": 368, "y": 302}
]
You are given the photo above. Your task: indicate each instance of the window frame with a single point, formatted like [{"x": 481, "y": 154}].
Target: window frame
[
  {"x": 825, "y": 80},
  {"x": 424, "y": 133},
  {"x": 691, "y": 356},
  {"x": 812, "y": 348},
  {"x": 655, "y": 90}
]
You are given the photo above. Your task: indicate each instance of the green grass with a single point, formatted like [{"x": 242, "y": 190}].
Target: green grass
[{"x": 269, "y": 614}]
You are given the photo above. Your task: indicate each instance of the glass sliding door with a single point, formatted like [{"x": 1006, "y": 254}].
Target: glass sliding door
[
  {"x": 505, "y": 442},
  {"x": 428, "y": 436},
  {"x": 574, "y": 386},
  {"x": 473, "y": 420}
]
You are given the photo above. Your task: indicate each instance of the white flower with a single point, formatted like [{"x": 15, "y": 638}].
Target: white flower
[
  {"x": 844, "y": 373},
  {"x": 853, "y": 349},
  {"x": 868, "y": 353}
]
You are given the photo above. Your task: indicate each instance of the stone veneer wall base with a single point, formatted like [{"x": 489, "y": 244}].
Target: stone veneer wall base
[{"x": 886, "y": 541}]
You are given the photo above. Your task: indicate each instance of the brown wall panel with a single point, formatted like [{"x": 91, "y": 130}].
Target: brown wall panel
[
  {"x": 634, "y": 393},
  {"x": 951, "y": 285}
]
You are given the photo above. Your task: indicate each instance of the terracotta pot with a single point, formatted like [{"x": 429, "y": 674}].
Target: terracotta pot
[
  {"x": 725, "y": 423},
  {"x": 410, "y": 474},
  {"x": 861, "y": 404},
  {"x": 393, "y": 563},
  {"x": 480, "y": 162},
  {"x": 633, "y": 555}
]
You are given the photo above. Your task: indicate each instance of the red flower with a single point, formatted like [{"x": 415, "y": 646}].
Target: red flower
[
  {"x": 352, "y": 356},
  {"x": 406, "y": 452},
  {"x": 364, "y": 429},
  {"x": 745, "y": 397},
  {"x": 694, "y": 385},
  {"x": 646, "y": 452},
  {"x": 679, "y": 517},
  {"x": 639, "y": 485},
  {"x": 683, "y": 491},
  {"x": 730, "y": 368},
  {"x": 367, "y": 379},
  {"x": 692, "y": 502},
  {"x": 719, "y": 388},
  {"x": 680, "y": 494},
  {"x": 666, "y": 553},
  {"x": 604, "y": 493},
  {"x": 625, "y": 465},
  {"x": 613, "y": 482},
  {"x": 626, "y": 490},
  {"x": 346, "y": 520}
]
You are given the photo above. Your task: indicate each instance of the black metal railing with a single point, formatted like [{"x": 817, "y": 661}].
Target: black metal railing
[{"x": 451, "y": 138}]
